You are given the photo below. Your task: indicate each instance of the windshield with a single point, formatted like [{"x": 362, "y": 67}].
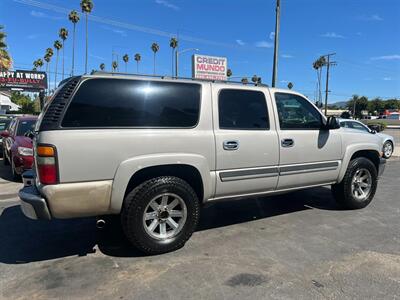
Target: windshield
[
  {"x": 4, "y": 124},
  {"x": 25, "y": 126}
]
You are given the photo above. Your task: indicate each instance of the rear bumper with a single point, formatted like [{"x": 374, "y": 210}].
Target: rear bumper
[
  {"x": 33, "y": 205},
  {"x": 382, "y": 165}
]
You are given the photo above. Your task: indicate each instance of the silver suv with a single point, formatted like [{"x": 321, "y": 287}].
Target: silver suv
[{"x": 154, "y": 150}]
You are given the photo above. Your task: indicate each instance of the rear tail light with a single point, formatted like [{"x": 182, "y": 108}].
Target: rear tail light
[{"x": 46, "y": 162}]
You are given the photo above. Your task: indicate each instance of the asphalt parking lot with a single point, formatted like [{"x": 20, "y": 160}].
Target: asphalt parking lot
[{"x": 298, "y": 246}]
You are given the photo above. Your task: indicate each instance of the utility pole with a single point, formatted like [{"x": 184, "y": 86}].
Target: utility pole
[
  {"x": 176, "y": 62},
  {"x": 276, "y": 46},
  {"x": 329, "y": 63}
]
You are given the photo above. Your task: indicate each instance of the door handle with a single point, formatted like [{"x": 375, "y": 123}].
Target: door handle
[
  {"x": 231, "y": 145},
  {"x": 287, "y": 143}
]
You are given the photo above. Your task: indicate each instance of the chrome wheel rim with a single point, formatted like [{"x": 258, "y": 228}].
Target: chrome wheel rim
[
  {"x": 361, "y": 184},
  {"x": 387, "y": 149},
  {"x": 164, "y": 216}
]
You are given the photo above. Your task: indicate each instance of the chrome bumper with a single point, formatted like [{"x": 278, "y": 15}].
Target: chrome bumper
[
  {"x": 33, "y": 205},
  {"x": 382, "y": 165}
]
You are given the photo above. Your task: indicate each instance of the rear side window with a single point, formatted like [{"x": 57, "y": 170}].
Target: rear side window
[
  {"x": 242, "y": 110},
  {"x": 134, "y": 103}
]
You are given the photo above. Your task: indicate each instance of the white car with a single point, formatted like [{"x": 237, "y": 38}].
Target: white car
[{"x": 387, "y": 140}]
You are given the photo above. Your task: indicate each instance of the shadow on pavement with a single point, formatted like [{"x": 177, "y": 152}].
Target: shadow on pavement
[
  {"x": 5, "y": 172},
  {"x": 24, "y": 240}
]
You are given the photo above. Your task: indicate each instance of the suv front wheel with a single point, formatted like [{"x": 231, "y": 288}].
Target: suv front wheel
[
  {"x": 358, "y": 186},
  {"x": 160, "y": 214}
]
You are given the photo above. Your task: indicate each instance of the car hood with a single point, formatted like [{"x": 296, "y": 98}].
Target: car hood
[
  {"x": 354, "y": 136},
  {"x": 384, "y": 136},
  {"x": 23, "y": 141}
]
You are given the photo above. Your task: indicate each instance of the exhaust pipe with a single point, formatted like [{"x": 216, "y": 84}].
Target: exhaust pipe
[{"x": 100, "y": 224}]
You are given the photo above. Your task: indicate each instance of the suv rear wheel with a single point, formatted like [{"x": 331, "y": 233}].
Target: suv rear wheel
[
  {"x": 160, "y": 215},
  {"x": 358, "y": 186}
]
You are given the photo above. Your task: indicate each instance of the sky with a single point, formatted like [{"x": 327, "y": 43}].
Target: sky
[{"x": 364, "y": 34}]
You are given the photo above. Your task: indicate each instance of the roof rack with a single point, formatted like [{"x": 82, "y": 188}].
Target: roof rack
[{"x": 95, "y": 72}]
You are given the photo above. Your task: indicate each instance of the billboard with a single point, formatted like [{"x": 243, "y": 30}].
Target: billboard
[
  {"x": 209, "y": 67},
  {"x": 23, "y": 80}
]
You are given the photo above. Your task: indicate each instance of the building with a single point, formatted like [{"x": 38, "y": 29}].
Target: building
[{"x": 5, "y": 103}]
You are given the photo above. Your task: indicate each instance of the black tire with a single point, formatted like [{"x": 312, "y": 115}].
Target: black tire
[
  {"x": 342, "y": 192},
  {"x": 5, "y": 160},
  {"x": 137, "y": 201},
  {"x": 15, "y": 175},
  {"x": 384, "y": 145}
]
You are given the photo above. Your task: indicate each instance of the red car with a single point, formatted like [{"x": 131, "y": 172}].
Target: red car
[{"x": 17, "y": 145}]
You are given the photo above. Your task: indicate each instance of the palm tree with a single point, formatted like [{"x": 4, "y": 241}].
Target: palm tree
[
  {"x": 154, "y": 48},
  {"x": 74, "y": 18},
  {"x": 137, "y": 58},
  {"x": 86, "y": 6},
  {"x": 318, "y": 65},
  {"x": 35, "y": 65},
  {"x": 173, "y": 43},
  {"x": 114, "y": 65},
  {"x": 47, "y": 58},
  {"x": 2, "y": 37},
  {"x": 102, "y": 66},
  {"x": 63, "y": 34},
  {"x": 125, "y": 58},
  {"x": 5, "y": 58},
  {"x": 255, "y": 79},
  {"x": 229, "y": 73},
  {"x": 40, "y": 63},
  {"x": 245, "y": 80},
  {"x": 57, "y": 46}
]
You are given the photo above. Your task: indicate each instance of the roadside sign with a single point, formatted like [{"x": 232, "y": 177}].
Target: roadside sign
[
  {"x": 23, "y": 80},
  {"x": 209, "y": 67}
]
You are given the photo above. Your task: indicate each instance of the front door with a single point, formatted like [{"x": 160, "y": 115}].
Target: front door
[
  {"x": 309, "y": 155},
  {"x": 246, "y": 141}
]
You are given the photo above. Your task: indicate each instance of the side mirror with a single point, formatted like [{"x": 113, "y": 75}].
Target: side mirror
[
  {"x": 373, "y": 131},
  {"x": 331, "y": 123},
  {"x": 5, "y": 134}
]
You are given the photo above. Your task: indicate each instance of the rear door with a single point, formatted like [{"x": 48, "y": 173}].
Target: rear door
[
  {"x": 247, "y": 151},
  {"x": 309, "y": 155}
]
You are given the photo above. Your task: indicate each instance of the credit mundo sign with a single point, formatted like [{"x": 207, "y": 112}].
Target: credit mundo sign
[
  {"x": 209, "y": 67},
  {"x": 23, "y": 80}
]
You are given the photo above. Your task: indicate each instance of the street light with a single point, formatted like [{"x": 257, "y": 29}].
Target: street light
[
  {"x": 177, "y": 58},
  {"x": 276, "y": 43}
]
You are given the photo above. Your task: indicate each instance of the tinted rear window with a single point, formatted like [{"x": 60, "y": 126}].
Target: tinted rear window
[
  {"x": 25, "y": 126},
  {"x": 242, "y": 110},
  {"x": 134, "y": 103}
]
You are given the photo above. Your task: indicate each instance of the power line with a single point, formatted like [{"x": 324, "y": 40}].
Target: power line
[
  {"x": 130, "y": 26},
  {"x": 328, "y": 64}
]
